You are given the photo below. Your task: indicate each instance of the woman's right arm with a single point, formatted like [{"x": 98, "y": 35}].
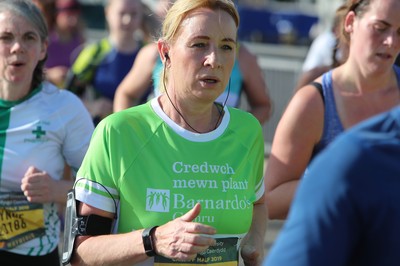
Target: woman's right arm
[
  {"x": 179, "y": 239},
  {"x": 138, "y": 80},
  {"x": 299, "y": 129}
]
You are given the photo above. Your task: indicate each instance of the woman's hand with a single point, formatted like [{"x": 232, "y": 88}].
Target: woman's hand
[
  {"x": 38, "y": 186},
  {"x": 182, "y": 239},
  {"x": 252, "y": 254}
]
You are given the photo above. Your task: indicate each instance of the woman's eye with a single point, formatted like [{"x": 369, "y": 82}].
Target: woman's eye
[
  {"x": 380, "y": 28},
  {"x": 227, "y": 47},
  {"x": 5, "y": 37},
  {"x": 199, "y": 45},
  {"x": 30, "y": 37}
]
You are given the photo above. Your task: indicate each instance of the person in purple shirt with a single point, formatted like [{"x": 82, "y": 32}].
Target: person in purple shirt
[{"x": 65, "y": 40}]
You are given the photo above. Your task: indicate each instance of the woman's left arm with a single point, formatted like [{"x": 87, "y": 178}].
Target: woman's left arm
[{"x": 252, "y": 249}]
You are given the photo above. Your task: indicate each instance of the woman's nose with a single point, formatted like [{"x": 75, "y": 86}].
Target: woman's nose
[
  {"x": 393, "y": 39},
  {"x": 213, "y": 59},
  {"x": 17, "y": 46}
]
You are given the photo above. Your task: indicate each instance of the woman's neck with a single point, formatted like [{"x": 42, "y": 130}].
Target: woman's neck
[
  {"x": 357, "y": 81},
  {"x": 201, "y": 119},
  {"x": 12, "y": 92}
]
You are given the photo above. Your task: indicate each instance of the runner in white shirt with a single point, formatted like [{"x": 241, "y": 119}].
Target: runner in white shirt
[{"x": 42, "y": 128}]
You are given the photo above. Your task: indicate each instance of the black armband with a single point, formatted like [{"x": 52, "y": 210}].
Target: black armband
[
  {"x": 148, "y": 243},
  {"x": 93, "y": 225}
]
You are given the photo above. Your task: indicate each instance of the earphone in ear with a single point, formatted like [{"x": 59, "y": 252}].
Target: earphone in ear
[{"x": 166, "y": 56}]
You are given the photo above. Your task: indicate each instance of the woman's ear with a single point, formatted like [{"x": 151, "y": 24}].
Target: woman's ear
[
  {"x": 163, "y": 51},
  {"x": 349, "y": 22}
]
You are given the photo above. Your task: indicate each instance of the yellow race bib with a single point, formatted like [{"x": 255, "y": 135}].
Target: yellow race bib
[{"x": 20, "y": 220}]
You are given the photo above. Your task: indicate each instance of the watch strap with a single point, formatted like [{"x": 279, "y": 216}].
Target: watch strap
[{"x": 148, "y": 243}]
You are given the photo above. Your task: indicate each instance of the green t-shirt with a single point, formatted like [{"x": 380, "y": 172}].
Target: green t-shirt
[{"x": 157, "y": 171}]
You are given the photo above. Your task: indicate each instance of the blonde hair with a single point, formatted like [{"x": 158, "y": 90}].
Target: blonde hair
[{"x": 181, "y": 8}]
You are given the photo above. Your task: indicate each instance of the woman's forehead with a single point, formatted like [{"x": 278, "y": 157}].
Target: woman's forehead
[
  {"x": 387, "y": 10},
  {"x": 14, "y": 21},
  {"x": 207, "y": 21},
  {"x": 11, "y": 19}
]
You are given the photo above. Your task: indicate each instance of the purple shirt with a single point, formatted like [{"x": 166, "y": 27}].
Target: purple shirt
[{"x": 60, "y": 53}]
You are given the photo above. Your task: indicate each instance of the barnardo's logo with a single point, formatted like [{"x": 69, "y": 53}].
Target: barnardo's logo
[{"x": 157, "y": 200}]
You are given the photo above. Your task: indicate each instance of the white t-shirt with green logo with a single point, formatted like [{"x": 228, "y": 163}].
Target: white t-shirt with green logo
[
  {"x": 156, "y": 171},
  {"x": 44, "y": 129}
]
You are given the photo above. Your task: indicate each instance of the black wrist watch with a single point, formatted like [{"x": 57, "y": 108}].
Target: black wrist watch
[{"x": 148, "y": 243}]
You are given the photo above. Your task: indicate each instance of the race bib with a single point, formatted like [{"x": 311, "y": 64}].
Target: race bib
[
  {"x": 20, "y": 220},
  {"x": 224, "y": 253}
]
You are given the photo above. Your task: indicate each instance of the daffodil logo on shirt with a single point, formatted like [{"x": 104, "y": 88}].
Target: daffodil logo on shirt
[{"x": 157, "y": 200}]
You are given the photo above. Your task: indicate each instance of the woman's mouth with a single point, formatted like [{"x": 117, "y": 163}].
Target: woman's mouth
[
  {"x": 209, "y": 80},
  {"x": 385, "y": 56}
]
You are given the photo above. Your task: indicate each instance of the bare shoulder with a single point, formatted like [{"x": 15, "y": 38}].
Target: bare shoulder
[
  {"x": 148, "y": 52},
  {"x": 304, "y": 114},
  {"x": 308, "y": 100}
]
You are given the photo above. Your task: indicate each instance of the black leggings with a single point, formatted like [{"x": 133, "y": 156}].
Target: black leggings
[{"x": 12, "y": 259}]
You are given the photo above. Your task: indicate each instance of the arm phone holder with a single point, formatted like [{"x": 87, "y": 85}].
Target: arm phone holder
[{"x": 91, "y": 225}]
